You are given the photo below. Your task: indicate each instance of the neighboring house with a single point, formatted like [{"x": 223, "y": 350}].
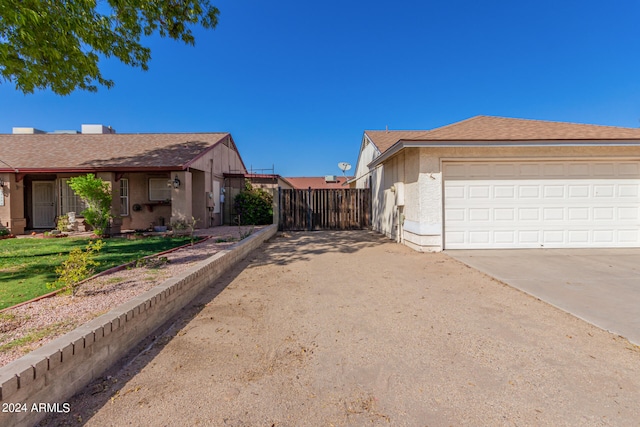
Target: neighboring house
[
  {"x": 235, "y": 182},
  {"x": 492, "y": 182},
  {"x": 155, "y": 178},
  {"x": 318, "y": 182}
]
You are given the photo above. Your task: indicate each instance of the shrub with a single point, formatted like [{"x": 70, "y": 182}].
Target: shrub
[
  {"x": 78, "y": 266},
  {"x": 254, "y": 206},
  {"x": 96, "y": 193},
  {"x": 62, "y": 223}
]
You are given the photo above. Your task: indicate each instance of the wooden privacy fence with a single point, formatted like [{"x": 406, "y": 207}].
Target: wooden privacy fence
[{"x": 327, "y": 209}]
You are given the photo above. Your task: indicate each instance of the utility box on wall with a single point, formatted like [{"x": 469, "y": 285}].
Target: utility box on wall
[{"x": 399, "y": 186}]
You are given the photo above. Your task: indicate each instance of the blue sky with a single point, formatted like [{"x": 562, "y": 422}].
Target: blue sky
[{"x": 296, "y": 83}]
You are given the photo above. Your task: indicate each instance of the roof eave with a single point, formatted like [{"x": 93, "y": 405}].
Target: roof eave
[
  {"x": 24, "y": 171},
  {"x": 402, "y": 144}
]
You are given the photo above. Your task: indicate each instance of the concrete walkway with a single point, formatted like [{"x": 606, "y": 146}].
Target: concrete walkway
[{"x": 601, "y": 286}]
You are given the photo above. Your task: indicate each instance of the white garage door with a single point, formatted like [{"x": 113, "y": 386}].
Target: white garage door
[{"x": 570, "y": 204}]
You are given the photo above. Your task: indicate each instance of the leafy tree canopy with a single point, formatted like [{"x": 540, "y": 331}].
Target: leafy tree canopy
[{"x": 57, "y": 44}]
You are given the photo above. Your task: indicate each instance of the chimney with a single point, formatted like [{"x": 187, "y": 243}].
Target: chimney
[
  {"x": 97, "y": 129},
  {"x": 26, "y": 131}
]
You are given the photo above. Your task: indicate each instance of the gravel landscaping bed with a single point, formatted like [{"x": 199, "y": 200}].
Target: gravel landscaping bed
[{"x": 27, "y": 327}]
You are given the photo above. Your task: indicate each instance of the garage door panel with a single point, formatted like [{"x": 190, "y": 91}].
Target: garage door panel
[
  {"x": 553, "y": 191},
  {"x": 529, "y": 170},
  {"x": 542, "y": 204},
  {"x": 553, "y": 214},
  {"x": 479, "y": 191},
  {"x": 628, "y": 190},
  {"x": 504, "y": 191},
  {"x": 628, "y": 236},
  {"x": 504, "y": 214},
  {"x": 577, "y": 191},
  {"x": 578, "y": 236},
  {"x": 578, "y": 214},
  {"x": 578, "y": 170},
  {"x": 552, "y": 237},
  {"x": 603, "y": 191},
  {"x": 628, "y": 214},
  {"x": 505, "y": 237},
  {"x": 629, "y": 169}
]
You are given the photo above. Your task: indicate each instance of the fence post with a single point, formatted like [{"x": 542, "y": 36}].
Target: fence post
[
  {"x": 310, "y": 227},
  {"x": 278, "y": 215}
]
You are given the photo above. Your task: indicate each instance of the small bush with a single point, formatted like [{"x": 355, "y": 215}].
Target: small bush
[
  {"x": 254, "y": 206},
  {"x": 63, "y": 223},
  {"x": 78, "y": 266},
  {"x": 96, "y": 194}
]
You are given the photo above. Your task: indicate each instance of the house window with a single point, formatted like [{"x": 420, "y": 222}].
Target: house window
[
  {"x": 124, "y": 197},
  {"x": 69, "y": 201},
  {"x": 158, "y": 189}
]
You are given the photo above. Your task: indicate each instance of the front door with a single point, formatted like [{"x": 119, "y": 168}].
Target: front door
[{"x": 44, "y": 209}]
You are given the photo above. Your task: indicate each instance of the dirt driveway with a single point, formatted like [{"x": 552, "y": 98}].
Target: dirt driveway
[{"x": 322, "y": 329}]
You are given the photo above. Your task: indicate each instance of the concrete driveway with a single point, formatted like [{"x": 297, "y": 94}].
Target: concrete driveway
[{"x": 601, "y": 286}]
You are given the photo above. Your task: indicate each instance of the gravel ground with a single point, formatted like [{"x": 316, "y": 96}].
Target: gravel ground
[
  {"x": 349, "y": 329},
  {"x": 49, "y": 318}
]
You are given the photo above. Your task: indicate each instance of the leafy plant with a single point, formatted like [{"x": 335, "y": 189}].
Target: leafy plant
[
  {"x": 4, "y": 232},
  {"x": 78, "y": 266},
  {"x": 96, "y": 194},
  {"x": 58, "y": 45},
  {"x": 63, "y": 223},
  {"x": 246, "y": 233},
  {"x": 254, "y": 206},
  {"x": 184, "y": 224}
]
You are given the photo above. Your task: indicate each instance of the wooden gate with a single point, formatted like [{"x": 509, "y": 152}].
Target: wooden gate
[{"x": 332, "y": 209}]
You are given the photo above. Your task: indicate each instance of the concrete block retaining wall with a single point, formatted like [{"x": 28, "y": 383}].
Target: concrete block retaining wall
[{"x": 58, "y": 370}]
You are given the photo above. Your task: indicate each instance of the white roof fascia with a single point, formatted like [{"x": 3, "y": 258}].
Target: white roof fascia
[
  {"x": 365, "y": 139},
  {"x": 402, "y": 144}
]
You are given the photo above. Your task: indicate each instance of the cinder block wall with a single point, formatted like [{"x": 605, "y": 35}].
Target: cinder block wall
[{"x": 58, "y": 370}]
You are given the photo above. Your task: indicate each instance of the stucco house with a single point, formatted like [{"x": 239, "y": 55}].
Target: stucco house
[
  {"x": 493, "y": 182},
  {"x": 156, "y": 179}
]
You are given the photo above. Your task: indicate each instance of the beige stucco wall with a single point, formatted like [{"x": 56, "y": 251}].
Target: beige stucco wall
[
  {"x": 12, "y": 210},
  {"x": 368, "y": 152},
  {"x": 223, "y": 158},
  {"x": 420, "y": 169},
  {"x": 149, "y": 214}
]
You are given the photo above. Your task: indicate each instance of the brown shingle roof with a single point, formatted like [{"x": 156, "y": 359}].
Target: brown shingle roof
[
  {"x": 384, "y": 139},
  {"x": 487, "y": 128},
  {"x": 104, "y": 151}
]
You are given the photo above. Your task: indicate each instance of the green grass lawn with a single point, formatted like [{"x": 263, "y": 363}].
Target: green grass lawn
[{"x": 27, "y": 265}]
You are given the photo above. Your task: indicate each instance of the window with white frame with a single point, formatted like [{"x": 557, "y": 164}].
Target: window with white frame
[
  {"x": 69, "y": 201},
  {"x": 159, "y": 190},
  {"x": 124, "y": 197}
]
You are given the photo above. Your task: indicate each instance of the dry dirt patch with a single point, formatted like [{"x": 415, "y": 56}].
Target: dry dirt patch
[{"x": 351, "y": 329}]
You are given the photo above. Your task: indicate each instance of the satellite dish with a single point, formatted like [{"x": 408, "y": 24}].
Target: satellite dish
[{"x": 344, "y": 166}]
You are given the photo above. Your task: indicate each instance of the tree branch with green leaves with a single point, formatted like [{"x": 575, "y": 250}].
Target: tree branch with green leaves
[{"x": 57, "y": 44}]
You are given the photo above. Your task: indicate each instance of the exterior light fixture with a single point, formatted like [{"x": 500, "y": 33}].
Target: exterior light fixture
[
  {"x": 1, "y": 182},
  {"x": 176, "y": 182}
]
